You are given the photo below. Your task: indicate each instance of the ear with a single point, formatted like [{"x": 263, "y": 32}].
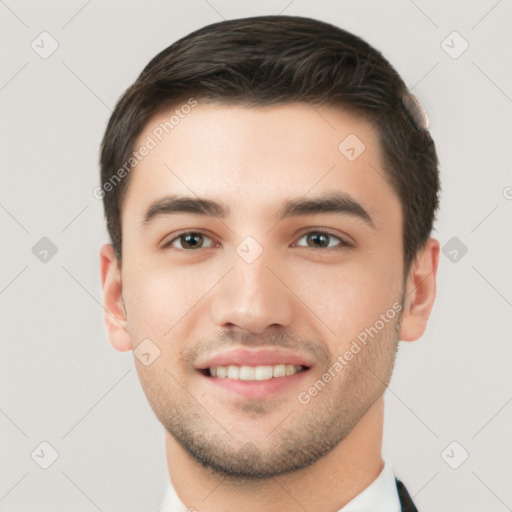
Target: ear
[
  {"x": 420, "y": 292},
  {"x": 115, "y": 314}
]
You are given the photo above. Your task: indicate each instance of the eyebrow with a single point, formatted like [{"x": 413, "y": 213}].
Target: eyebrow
[{"x": 332, "y": 202}]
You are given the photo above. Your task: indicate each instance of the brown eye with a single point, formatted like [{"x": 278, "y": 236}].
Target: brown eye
[
  {"x": 189, "y": 241},
  {"x": 322, "y": 240}
]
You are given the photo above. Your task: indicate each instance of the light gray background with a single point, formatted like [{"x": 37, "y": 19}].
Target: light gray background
[{"x": 61, "y": 382}]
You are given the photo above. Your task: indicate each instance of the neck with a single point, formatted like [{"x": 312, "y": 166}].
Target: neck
[{"x": 328, "y": 485}]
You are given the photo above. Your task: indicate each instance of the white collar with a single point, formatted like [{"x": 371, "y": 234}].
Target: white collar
[{"x": 381, "y": 495}]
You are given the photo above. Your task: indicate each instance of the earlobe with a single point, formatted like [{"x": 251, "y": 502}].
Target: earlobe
[
  {"x": 115, "y": 314},
  {"x": 420, "y": 292}
]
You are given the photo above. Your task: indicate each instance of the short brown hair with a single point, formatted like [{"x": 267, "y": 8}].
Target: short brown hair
[{"x": 268, "y": 60}]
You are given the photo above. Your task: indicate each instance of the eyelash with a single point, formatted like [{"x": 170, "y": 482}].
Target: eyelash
[{"x": 342, "y": 242}]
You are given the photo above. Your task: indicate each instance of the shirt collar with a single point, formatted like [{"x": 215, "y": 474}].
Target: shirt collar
[{"x": 381, "y": 495}]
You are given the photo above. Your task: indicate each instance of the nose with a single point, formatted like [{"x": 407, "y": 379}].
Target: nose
[{"x": 253, "y": 296}]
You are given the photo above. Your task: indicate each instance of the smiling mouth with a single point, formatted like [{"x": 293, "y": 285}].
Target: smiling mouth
[{"x": 251, "y": 373}]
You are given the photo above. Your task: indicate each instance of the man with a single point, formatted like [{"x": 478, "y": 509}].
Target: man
[{"x": 270, "y": 189}]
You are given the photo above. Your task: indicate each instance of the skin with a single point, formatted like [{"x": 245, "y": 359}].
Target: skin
[{"x": 228, "y": 452}]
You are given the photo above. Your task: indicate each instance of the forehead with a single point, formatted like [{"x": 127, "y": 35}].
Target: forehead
[{"x": 253, "y": 158}]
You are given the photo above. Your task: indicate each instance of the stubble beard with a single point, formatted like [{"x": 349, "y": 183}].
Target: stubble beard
[{"x": 308, "y": 433}]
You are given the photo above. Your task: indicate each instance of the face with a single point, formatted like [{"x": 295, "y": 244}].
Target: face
[{"x": 253, "y": 240}]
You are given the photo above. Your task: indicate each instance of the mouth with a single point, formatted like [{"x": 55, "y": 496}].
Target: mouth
[
  {"x": 253, "y": 373},
  {"x": 261, "y": 373}
]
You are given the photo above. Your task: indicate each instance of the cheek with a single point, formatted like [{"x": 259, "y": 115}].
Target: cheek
[
  {"x": 345, "y": 296},
  {"x": 156, "y": 300},
  {"x": 351, "y": 296}
]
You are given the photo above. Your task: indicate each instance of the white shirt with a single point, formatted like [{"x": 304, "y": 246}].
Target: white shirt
[{"x": 381, "y": 495}]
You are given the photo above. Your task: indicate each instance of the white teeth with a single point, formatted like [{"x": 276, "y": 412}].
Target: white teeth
[
  {"x": 254, "y": 372},
  {"x": 290, "y": 370},
  {"x": 280, "y": 370},
  {"x": 233, "y": 372},
  {"x": 263, "y": 372},
  {"x": 247, "y": 373}
]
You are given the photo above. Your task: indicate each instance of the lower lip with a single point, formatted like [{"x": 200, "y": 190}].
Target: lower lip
[{"x": 257, "y": 388}]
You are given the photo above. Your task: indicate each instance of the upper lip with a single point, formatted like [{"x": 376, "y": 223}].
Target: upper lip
[{"x": 243, "y": 357}]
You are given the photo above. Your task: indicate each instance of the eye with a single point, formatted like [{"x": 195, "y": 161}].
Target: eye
[
  {"x": 190, "y": 240},
  {"x": 193, "y": 240},
  {"x": 322, "y": 240}
]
